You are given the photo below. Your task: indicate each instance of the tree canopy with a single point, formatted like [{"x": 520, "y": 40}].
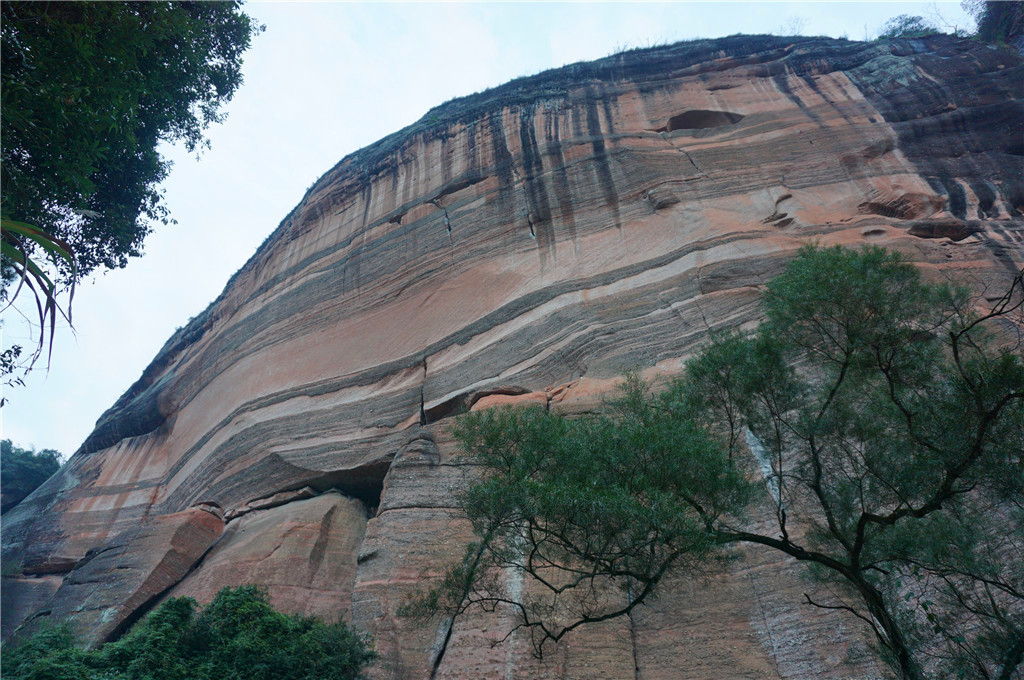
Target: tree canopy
[
  {"x": 89, "y": 89},
  {"x": 999, "y": 22},
  {"x": 238, "y": 636},
  {"x": 875, "y": 418},
  {"x": 22, "y": 471},
  {"x": 907, "y": 26}
]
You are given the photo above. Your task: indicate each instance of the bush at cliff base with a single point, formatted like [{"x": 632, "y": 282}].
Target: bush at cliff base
[{"x": 237, "y": 636}]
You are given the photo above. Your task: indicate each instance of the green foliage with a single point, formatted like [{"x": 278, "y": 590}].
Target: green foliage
[
  {"x": 22, "y": 471},
  {"x": 10, "y": 359},
  {"x": 596, "y": 511},
  {"x": 884, "y": 423},
  {"x": 894, "y": 429},
  {"x": 89, "y": 91},
  {"x": 238, "y": 636},
  {"x": 17, "y": 240},
  {"x": 998, "y": 22},
  {"x": 48, "y": 655},
  {"x": 906, "y": 26}
]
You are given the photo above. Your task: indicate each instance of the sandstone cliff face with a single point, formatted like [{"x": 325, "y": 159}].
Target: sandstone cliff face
[{"x": 529, "y": 243}]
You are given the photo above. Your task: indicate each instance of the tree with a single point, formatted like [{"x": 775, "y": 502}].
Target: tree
[
  {"x": 998, "y": 22},
  {"x": 586, "y": 508},
  {"x": 886, "y": 425},
  {"x": 17, "y": 241},
  {"x": 906, "y": 26},
  {"x": 238, "y": 636},
  {"x": 793, "y": 25},
  {"x": 22, "y": 471},
  {"x": 89, "y": 91}
]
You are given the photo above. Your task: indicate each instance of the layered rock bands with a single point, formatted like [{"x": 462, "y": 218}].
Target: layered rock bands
[{"x": 530, "y": 243}]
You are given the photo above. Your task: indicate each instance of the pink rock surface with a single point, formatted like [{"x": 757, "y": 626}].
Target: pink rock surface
[
  {"x": 303, "y": 553},
  {"x": 111, "y": 585},
  {"x": 531, "y": 243},
  {"x": 528, "y": 399},
  {"x": 22, "y": 596}
]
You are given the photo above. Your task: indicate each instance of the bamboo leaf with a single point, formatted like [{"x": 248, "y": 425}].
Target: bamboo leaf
[
  {"x": 49, "y": 243},
  {"x": 13, "y": 242}
]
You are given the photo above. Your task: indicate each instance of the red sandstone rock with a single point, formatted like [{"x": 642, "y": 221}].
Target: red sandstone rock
[
  {"x": 534, "y": 243},
  {"x": 111, "y": 585},
  {"x": 270, "y": 502},
  {"x": 303, "y": 552},
  {"x": 528, "y": 399},
  {"x": 22, "y": 596}
]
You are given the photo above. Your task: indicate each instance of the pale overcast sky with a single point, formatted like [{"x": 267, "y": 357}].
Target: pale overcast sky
[{"x": 324, "y": 80}]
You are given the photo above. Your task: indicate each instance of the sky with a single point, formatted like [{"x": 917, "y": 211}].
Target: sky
[{"x": 322, "y": 81}]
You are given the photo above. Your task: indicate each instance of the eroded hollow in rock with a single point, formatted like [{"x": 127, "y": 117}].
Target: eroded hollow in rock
[
  {"x": 446, "y": 409},
  {"x": 700, "y": 119},
  {"x": 365, "y": 482}
]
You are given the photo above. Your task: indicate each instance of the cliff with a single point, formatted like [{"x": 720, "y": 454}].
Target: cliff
[{"x": 532, "y": 242}]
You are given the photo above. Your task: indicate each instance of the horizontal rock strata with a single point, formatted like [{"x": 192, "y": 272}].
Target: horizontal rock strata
[
  {"x": 303, "y": 552},
  {"x": 528, "y": 244}
]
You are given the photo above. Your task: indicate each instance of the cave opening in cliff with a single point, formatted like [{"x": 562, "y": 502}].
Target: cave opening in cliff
[
  {"x": 446, "y": 409},
  {"x": 365, "y": 483},
  {"x": 699, "y": 119}
]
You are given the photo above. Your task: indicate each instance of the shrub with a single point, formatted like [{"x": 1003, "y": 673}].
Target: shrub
[
  {"x": 238, "y": 636},
  {"x": 906, "y": 26}
]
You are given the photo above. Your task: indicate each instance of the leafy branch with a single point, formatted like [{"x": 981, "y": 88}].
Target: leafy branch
[
  {"x": 888, "y": 426},
  {"x": 17, "y": 240}
]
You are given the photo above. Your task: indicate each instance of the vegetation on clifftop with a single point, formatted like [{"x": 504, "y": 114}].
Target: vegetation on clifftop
[
  {"x": 998, "y": 22},
  {"x": 238, "y": 636},
  {"x": 22, "y": 471}
]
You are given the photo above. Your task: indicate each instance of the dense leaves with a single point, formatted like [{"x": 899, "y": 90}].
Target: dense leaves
[
  {"x": 22, "y": 471},
  {"x": 878, "y": 414},
  {"x": 891, "y": 425},
  {"x": 89, "y": 91},
  {"x": 238, "y": 636},
  {"x": 998, "y": 21},
  {"x": 907, "y": 26},
  {"x": 595, "y": 511},
  {"x": 17, "y": 241}
]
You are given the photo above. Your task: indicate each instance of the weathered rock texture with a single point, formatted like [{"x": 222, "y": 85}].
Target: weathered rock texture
[{"x": 529, "y": 243}]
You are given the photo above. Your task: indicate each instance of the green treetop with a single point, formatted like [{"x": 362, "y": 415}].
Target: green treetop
[{"x": 89, "y": 89}]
